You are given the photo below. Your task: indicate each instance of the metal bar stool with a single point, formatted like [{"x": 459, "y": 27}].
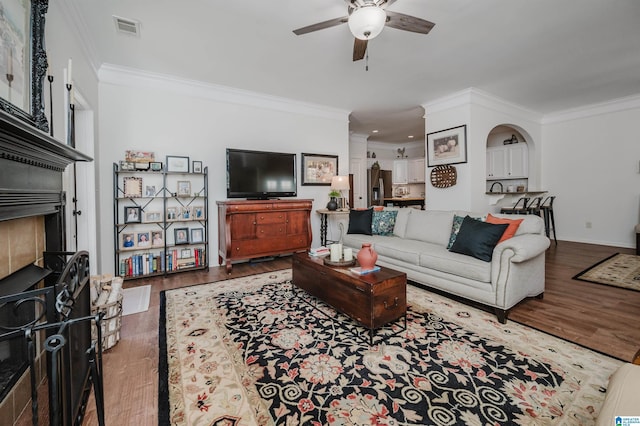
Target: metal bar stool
[
  {"x": 549, "y": 220},
  {"x": 520, "y": 207},
  {"x": 535, "y": 206}
]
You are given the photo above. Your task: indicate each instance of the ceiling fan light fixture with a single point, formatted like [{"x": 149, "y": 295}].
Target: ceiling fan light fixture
[{"x": 366, "y": 22}]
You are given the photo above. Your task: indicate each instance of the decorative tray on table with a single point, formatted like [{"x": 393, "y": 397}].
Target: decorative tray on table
[{"x": 327, "y": 261}]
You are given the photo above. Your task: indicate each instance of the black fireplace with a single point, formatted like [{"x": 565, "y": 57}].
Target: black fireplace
[{"x": 31, "y": 168}]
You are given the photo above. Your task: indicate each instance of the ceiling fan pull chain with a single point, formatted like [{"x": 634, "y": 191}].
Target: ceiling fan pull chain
[{"x": 366, "y": 59}]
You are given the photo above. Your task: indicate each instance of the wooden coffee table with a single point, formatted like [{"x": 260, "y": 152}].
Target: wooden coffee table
[{"x": 372, "y": 300}]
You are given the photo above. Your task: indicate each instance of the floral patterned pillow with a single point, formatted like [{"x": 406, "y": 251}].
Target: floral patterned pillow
[{"x": 383, "y": 222}]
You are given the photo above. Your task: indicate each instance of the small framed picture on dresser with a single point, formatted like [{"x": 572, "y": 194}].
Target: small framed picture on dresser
[{"x": 196, "y": 167}]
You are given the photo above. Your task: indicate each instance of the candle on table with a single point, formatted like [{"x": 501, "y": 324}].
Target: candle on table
[
  {"x": 69, "y": 78},
  {"x": 348, "y": 254},
  {"x": 336, "y": 252}
]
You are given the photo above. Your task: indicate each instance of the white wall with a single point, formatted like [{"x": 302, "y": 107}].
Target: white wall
[
  {"x": 481, "y": 113},
  {"x": 170, "y": 116},
  {"x": 591, "y": 162}
]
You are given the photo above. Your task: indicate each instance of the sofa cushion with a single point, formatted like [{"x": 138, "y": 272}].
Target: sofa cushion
[
  {"x": 399, "y": 249},
  {"x": 438, "y": 258},
  {"x": 400, "y": 228},
  {"x": 477, "y": 238},
  {"x": 431, "y": 226},
  {"x": 511, "y": 230},
  {"x": 360, "y": 221},
  {"x": 383, "y": 222}
]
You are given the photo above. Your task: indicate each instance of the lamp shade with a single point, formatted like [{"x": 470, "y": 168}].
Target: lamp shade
[
  {"x": 366, "y": 22},
  {"x": 340, "y": 182}
]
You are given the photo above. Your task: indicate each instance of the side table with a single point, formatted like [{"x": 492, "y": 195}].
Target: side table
[{"x": 324, "y": 215}]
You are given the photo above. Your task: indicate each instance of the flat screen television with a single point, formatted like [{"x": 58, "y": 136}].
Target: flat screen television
[{"x": 260, "y": 174}]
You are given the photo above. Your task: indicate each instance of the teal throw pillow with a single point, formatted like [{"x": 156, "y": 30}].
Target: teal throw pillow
[{"x": 383, "y": 222}]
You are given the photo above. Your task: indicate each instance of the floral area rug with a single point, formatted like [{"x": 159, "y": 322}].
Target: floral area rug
[
  {"x": 619, "y": 270},
  {"x": 258, "y": 351}
]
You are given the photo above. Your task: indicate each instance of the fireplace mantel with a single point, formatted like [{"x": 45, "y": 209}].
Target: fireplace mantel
[{"x": 31, "y": 167}]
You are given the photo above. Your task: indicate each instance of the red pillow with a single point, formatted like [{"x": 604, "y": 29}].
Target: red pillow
[{"x": 511, "y": 229}]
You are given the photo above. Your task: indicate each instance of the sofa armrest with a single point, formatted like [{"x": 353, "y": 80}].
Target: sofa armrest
[{"x": 524, "y": 247}]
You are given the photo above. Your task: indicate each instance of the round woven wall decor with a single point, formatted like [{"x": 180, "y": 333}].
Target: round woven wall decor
[{"x": 444, "y": 176}]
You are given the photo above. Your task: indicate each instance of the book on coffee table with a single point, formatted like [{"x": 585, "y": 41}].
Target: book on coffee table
[
  {"x": 360, "y": 271},
  {"x": 319, "y": 251}
]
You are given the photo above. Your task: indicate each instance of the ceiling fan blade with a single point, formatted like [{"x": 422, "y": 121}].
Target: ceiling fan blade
[
  {"x": 408, "y": 23},
  {"x": 321, "y": 25},
  {"x": 359, "y": 49}
]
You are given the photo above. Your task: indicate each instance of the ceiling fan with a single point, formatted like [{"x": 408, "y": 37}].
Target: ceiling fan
[{"x": 366, "y": 19}]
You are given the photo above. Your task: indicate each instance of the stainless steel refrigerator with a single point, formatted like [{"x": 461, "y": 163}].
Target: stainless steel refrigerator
[{"x": 378, "y": 186}]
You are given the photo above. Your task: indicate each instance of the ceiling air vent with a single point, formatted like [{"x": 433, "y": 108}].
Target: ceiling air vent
[{"x": 127, "y": 26}]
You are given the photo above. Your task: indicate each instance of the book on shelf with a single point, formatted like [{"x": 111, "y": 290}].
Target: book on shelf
[
  {"x": 319, "y": 251},
  {"x": 360, "y": 271}
]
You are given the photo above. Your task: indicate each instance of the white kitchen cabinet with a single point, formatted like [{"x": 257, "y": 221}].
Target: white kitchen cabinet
[
  {"x": 400, "y": 173},
  {"x": 416, "y": 170},
  {"x": 518, "y": 160},
  {"x": 508, "y": 162}
]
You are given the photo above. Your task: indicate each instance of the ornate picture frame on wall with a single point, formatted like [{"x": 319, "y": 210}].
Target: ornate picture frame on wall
[
  {"x": 447, "y": 146},
  {"x": 21, "y": 88},
  {"x": 318, "y": 169}
]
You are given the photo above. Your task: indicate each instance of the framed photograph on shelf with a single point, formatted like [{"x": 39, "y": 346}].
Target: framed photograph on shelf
[
  {"x": 173, "y": 213},
  {"x": 144, "y": 239},
  {"x": 132, "y": 214},
  {"x": 185, "y": 253},
  {"x": 186, "y": 213},
  {"x": 139, "y": 156},
  {"x": 196, "y": 167},
  {"x": 197, "y": 235},
  {"x": 126, "y": 166},
  {"x": 157, "y": 239},
  {"x": 153, "y": 217},
  {"x": 181, "y": 236},
  {"x": 184, "y": 188},
  {"x": 197, "y": 212},
  {"x": 141, "y": 166},
  {"x": 177, "y": 164},
  {"x": 150, "y": 191},
  {"x": 447, "y": 146},
  {"x": 155, "y": 166},
  {"x": 318, "y": 169},
  {"x": 128, "y": 241},
  {"x": 132, "y": 187}
]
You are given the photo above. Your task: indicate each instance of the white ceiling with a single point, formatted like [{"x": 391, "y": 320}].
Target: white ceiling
[{"x": 545, "y": 55}]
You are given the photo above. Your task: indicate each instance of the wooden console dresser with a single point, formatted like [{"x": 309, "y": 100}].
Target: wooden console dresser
[{"x": 249, "y": 229}]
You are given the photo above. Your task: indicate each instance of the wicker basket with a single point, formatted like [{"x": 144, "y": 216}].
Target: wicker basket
[{"x": 112, "y": 312}]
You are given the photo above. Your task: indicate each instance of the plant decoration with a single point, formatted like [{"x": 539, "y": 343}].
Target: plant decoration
[{"x": 334, "y": 194}]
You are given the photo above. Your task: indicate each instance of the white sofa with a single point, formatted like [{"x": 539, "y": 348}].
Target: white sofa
[{"x": 418, "y": 247}]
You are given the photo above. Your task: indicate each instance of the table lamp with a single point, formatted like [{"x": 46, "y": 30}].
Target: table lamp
[{"x": 340, "y": 183}]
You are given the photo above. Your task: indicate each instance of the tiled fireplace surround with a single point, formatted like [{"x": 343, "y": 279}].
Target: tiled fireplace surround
[{"x": 22, "y": 242}]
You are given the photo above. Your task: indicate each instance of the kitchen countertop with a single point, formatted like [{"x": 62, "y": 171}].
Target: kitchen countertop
[
  {"x": 516, "y": 193},
  {"x": 404, "y": 198}
]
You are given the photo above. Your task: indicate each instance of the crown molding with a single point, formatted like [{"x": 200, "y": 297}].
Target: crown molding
[
  {"x": 474, "y": 96},
  {"x": 131, "y": 77},
  {"x": 615, "y": 105}
]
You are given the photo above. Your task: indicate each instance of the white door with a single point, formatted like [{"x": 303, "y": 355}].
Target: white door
[
  {"x": 80, "y": 186},
  {"x": 357, "y": 169}
]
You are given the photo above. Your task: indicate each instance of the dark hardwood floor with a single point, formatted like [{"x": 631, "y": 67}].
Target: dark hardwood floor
[{"x": 600, "y": 317}]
